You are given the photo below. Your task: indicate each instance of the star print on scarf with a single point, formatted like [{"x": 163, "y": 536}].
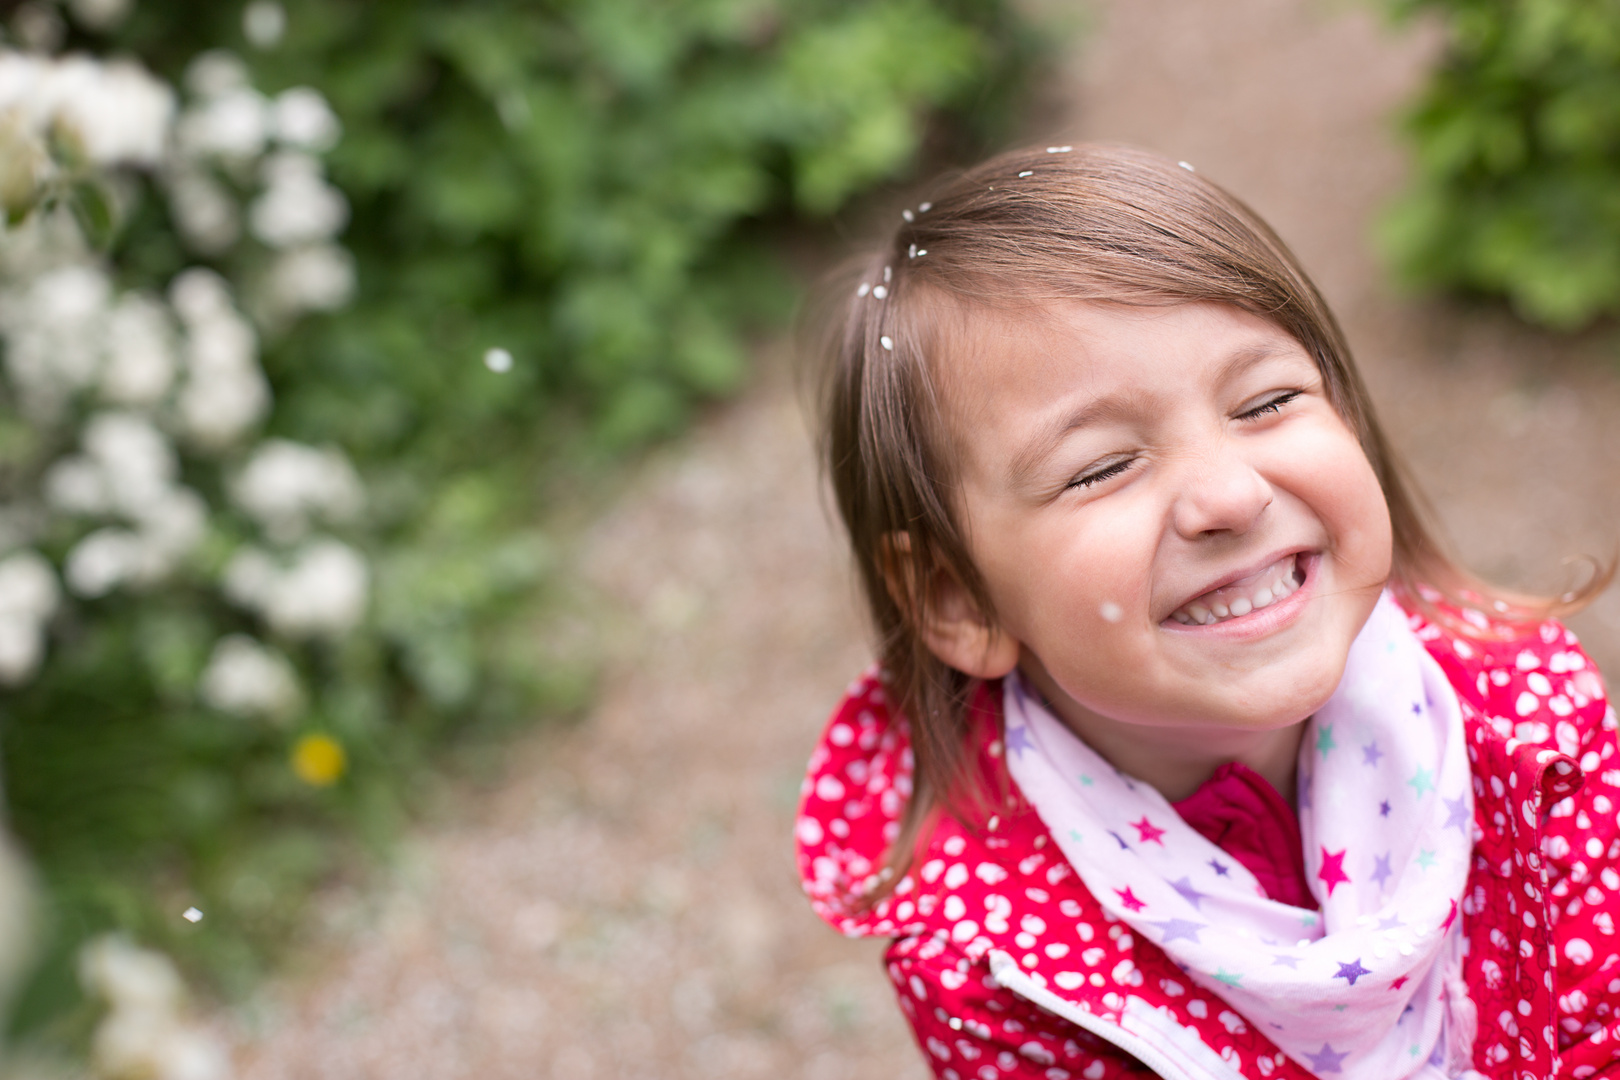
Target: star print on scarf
[{"x": 1367, "y": 986}]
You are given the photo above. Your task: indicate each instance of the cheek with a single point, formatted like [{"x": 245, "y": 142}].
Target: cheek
[{"x": 1337, "y": 482}]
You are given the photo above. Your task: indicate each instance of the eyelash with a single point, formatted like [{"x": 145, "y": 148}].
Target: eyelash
[
  {"x": 1111, "y": 471},
  {"x": 1274, "y": 405},
  {"x": 1100, "y": 475}
]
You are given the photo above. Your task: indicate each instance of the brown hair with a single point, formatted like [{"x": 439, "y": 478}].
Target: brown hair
[{"x": 1027, "y": 228}]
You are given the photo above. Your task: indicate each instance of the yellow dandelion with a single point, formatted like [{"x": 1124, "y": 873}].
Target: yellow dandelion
[{"x": 319, "y": 760}]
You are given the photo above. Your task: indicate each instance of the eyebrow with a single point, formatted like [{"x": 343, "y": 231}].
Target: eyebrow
[{"x": 1117, "y": 406}]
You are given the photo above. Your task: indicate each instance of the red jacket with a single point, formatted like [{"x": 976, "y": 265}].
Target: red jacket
[{"x": 1007, "y": 967}]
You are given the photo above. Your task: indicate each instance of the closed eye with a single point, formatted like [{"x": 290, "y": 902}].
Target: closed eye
[
  {"x": 1107, "y": 472},
  {"x": 1273, "y": 405}
]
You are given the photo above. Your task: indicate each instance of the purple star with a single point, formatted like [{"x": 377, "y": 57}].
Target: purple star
[
  {"x": 1220, "y": 867},
  {"x": 1381, "y": 869},
  {"x": 1391, "y": 923},
  {"x": 1457, "y": 814},
  {"x": 1417, "y": 710},
  {"x": 1185, "y": 888},
  {"x": 1285, "y": 961},
  {"x": 1370, "y": 754},
  {"x": 1351, "y": 971},
  {"x": 1123, "y": 846},
  {"x": 1018, "y": 739},
  {"x": 1383, "y": 808},
  {"x": 1180, "y": 928},
  {"x": 1327, "y": 1060}
]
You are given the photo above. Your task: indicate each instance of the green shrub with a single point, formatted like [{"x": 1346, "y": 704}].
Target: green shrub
[
  {"x": 560, "y": 219},
  {"x": 1516, "y": 191}
]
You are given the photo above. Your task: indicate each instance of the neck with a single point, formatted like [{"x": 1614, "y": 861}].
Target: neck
[{"x": 1176, "y": 760}]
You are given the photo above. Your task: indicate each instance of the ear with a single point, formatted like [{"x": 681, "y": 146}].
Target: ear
[{"x": 952, "y": 626}]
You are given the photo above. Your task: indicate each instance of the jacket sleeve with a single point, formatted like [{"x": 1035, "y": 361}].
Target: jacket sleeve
[
  {"x": 1581, "y": 843},
  {"x": 970, "y": 1028}
]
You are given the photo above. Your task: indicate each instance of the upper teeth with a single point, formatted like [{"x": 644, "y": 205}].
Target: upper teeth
[{"x": 1231, "y": 601}]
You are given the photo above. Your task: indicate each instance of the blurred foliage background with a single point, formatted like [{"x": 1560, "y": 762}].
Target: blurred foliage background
[
  {"x": 1516, "y": 191},
  {"x": 562, "y": 227}
]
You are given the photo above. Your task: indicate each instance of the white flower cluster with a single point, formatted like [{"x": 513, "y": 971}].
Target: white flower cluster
[
  {"x": 247, "y": 678},
  {"x": 145, "y": 377},
  {"x": 145, "y": 1034},
  {"x": 232, "y": 127},
  {"x": 112, "y": 113},
  {"x": 28, "y": 598},
  {"x": 126, "y": 470},
  {"x": 319, "y": 592}
]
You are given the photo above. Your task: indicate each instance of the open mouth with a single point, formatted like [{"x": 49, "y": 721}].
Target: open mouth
[{"x": 1248, "y": 594}]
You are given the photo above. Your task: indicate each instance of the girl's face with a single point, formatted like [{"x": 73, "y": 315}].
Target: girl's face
[{"x": 1176, "y": 528}]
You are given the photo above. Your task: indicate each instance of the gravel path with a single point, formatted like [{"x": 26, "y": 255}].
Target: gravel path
[{"x": 625, "y": 904}]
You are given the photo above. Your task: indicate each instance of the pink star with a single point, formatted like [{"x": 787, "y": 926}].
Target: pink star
[
  {"x": 1332, "y": 872},
  {"x": 1398, "y": 983},
  {"x": 1450, "y": 918},
  {"x": 1148, "y": 831},
  {"x": 1129, "y": 899}
]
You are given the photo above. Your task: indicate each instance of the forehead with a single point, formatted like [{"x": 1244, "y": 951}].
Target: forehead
[{"x": 1009, "y": 373}]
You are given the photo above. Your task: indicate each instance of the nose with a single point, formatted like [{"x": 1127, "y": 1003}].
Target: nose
[{"x": 1221, "y": 492}]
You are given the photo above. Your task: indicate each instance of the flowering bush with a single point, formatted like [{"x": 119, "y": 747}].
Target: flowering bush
[
  {"x": 307, "y": 312},
  {"x": 161, "y": 563}
]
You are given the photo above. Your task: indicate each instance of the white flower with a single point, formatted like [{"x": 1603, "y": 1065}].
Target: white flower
[
  {"x": 298, "y": 206},
  {"x": 319, "y": 277},
  {"x": 285, "y": 484},
  {"x": 28, "y": 586},
  {"x": 232, "y": 125},
  {"x": 117, "y": 113},
  {"x": 127, "y": 976},
  {"x": 216, "y": 72},
  {"x": 28, "y": 597},
  {"x": 55, "y": 332},
  {"x": 220, "y": 408},
  {"x": 250, "y": 577},
  {"x": 199, "y": 294},
  {"x": 76, "y": 485},
  {"x": 145, "y": 1045},
  {"x": 322, "y": 593},
  {"x": 140, "y": 352},
  {"x": 102, "y": 561},
  {"x": 304, "y": 121},
  {"x": 171, "y": 527},
  {"x": 143, "y": 1034},
  {"x": 225, "y": 392},
  {"x": 263, "y": 23},
  {"x": 22, "y": 646},
  {"x": 247, "y": 678},
  {"x": 100, "y": 15},
  {"x": 120, "y": 113},
  {"x": 135, "y": 458},
  {"x": 204, "y": 211}
]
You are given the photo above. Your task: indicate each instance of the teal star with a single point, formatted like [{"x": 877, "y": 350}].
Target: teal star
[
  {"x": 1423, "y": 782},
  {"x": 1324, "y": 740},
  {"x": 1086, "y": 780},
  {"x": 1425, "y": 858},
  {"x": 1340, "y": 1008},
  {"x": 1074, "y": 834},
  {"x": 1228, "y": 978},
  {"x": 1308, "y": 919}
]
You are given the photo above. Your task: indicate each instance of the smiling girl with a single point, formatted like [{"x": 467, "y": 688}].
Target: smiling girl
[{"x": 1189, "y": 752}]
